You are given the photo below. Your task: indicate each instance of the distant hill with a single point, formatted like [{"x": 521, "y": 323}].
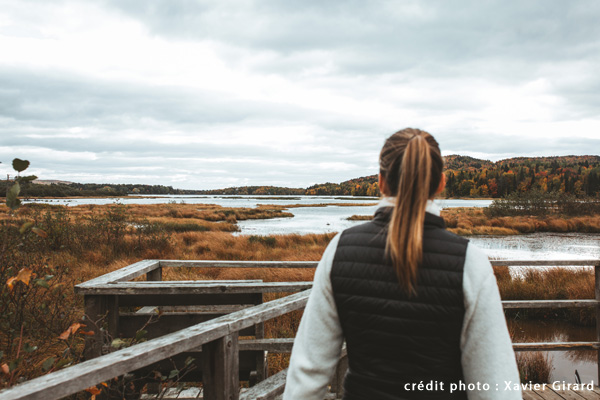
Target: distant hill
[
  {"x": 466, "y": 177},
  {"x": 466, "y": 162},
  {"x": 51, "y": 182}
]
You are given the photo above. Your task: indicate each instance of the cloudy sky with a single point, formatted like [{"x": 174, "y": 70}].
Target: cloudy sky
[{"x": 211, "y": 94}]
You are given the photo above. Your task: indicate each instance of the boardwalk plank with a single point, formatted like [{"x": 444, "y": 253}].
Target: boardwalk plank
[
  {"x": 588, "y": 394},
  {"x": 568, "y": 394},
  {"x": 548, "y": 394},
  {"x": 531, "y": 395}
]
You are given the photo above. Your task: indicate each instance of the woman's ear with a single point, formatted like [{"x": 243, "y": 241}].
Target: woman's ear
[
  {"x": 382, "y": 186},
  {"x": 442, "y": 184}
]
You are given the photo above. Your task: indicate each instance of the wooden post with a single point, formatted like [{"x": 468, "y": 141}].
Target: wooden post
[
  {"x": 220, "y": 368},
  {"x": 100, "y": 311},
  {"x": 597, "y": 282},
  {"x": 155, "y": 274},
  {"x": 152, "y": 386},
  {"x": 259, "y": 333}
]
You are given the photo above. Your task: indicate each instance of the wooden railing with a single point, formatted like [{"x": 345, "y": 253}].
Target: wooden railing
[{"x": 234, "y": 307}]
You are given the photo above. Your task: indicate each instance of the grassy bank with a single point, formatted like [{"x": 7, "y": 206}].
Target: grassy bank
[
  {"x": 46, "y": 250},
  {"x": 468, "y": 221}
]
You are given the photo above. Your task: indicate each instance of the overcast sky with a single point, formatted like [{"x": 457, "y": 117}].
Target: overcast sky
[{"x": 212, "y": 94}]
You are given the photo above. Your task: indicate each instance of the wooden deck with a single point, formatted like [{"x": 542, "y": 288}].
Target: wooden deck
[
  {"x": 548, "y": 392},
  {"x": 536, "y": 394},
  {"x": 207, "y": 318}
]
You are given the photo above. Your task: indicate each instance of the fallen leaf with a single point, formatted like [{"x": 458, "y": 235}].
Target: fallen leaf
[
  {"x": 5, "y": 369},
  {"x": 11, "y": 282},
  {"x": 40, "y": 232},
  {"x": 24, "y": 276},
  {"x": 94, "y": 391}
]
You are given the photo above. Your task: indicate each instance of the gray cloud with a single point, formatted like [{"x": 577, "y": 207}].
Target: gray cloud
[
  {"x": 483, "y": 77},
  {"x": 386, "y": 36}
]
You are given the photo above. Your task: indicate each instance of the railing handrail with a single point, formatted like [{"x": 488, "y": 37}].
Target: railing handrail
[
  {"x": 145, "y": 266},
  {"x": 175, "y": 287},
  {"x": 89, "y": 373},
  {"x": 123, "y": 274}
]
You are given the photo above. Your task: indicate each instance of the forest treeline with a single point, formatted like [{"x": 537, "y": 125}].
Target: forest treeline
[
  {"x": 32, "y": 189},
  {"x": 466, "y": 177},
  {"x": 471, "y": 177}
]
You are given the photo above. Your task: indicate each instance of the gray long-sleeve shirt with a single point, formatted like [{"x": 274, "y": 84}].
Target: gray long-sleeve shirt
[{"x": 487, "y": 353}]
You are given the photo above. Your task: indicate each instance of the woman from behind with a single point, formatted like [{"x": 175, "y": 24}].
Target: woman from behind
[{"x": 418, "y": 306}]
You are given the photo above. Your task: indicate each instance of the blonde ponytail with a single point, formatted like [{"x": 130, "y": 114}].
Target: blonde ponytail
[{"x": 411, "y": 165}]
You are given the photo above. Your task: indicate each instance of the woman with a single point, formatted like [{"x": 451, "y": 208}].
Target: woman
[{"x": 418, "y": 306}]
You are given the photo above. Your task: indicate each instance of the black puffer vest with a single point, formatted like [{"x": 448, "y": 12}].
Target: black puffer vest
[{"x": 394, "y": 341}]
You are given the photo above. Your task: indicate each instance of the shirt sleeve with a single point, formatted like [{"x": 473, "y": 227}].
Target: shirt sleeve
[
  {"x": 487, "y": 353},
  {"x": 318, "y": 342}
]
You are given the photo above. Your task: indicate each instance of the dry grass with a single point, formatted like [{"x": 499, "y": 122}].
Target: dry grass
[
  {"x": 534, "y": 367},
  {"x": 548, "y": 284},
  {"x": 473, "y": 221},
  {"x": 360, "y": 218},
  {"x": 466, "y": 221},
  {"x": 216, "y": 243}
]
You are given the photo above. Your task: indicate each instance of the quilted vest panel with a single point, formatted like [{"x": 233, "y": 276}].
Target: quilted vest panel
[{"x": 393, "y": 339}]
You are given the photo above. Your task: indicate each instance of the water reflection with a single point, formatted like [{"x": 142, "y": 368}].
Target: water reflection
[
  {"x": 541, "y": 246},
  {"x": 564, "y": 363}
]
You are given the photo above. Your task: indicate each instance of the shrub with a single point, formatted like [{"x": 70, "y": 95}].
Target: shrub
[
  {"x": 541, "y": 204},
  {"x": 268, "y": 241}
]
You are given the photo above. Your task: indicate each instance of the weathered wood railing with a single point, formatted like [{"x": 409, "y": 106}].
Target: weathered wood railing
[
  {"x": 558, "y": 346},
  {"x": 233, "y": 307}
]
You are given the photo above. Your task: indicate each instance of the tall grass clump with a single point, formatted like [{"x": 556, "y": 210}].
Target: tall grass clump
[
  {"x": 534, "y": 367},
  {"x": 548, "y": 284}
]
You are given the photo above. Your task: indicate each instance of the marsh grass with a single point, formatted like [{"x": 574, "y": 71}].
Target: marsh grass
[
  {"x": 467, "y": 221},
  {"x": 474, "y": 221},
  {"x": 534, "y": 367},
  {"x": 549, "y": 284},
  {"x": 84, "y": 242}
]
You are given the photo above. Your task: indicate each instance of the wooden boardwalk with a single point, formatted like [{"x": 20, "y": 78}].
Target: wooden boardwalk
[
  {"x": 219, "y": 326},
  {"x": 534, "y": 394},
  {"x": 548, "y": 392}
]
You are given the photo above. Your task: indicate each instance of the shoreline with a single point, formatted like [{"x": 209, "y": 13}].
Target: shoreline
[{"x": 165, "y": 196}]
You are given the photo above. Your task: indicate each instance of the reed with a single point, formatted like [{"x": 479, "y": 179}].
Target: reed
[
  {"x": 534, "y": 367},
  {"x": 549, "y": 284}
]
